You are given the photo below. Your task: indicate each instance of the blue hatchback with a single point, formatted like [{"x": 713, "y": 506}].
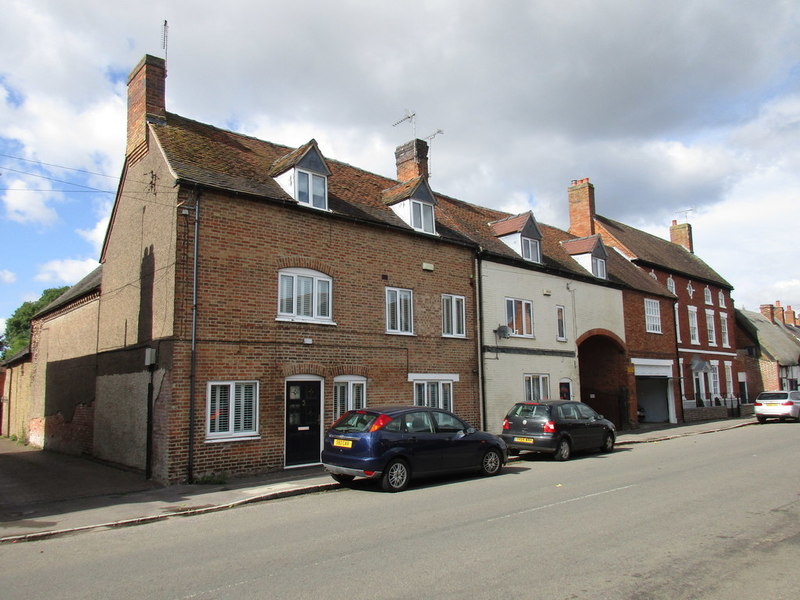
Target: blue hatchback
[{"x": 395, "y": 443}]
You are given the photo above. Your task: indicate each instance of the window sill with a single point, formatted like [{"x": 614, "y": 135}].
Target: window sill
[
  {"x": 302, "y": 320},
  {"x": 454, "y": 337},
  {"x": 406, "y": 333},
  {"x": 232, "y": 438}
]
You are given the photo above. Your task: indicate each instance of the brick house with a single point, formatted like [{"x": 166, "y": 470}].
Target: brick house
[
  {"x": 251, "y": 292},
  {"x": 704, "y": 314},
  {"x": 769, "y": 350}
]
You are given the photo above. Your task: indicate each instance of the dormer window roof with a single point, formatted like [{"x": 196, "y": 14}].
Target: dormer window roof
[
  {"x": 414, "y": 202},
  {"x": 304, "y": 174},
  {"x": 521, "y": 233},
  {"x": 590, "y": 253}
]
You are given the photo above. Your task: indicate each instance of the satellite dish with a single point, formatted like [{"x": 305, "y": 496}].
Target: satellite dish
[{"x": 503, "y": 331}]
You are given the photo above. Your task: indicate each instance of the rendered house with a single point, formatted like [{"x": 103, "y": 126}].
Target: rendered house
[{"x": 706, "y": 358}]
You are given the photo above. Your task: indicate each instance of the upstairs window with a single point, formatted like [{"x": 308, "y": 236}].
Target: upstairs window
[
  {"x": 599, "y": 267},
  {"x": 519, "y": 317},
  {"x": 304, "y": 295},
  {"x": 652, "y": 316},
  {"x": 694, "y": 334},
  {"x": 671, "y": 284},
  {"x": 561, "y": 324},
  {"x": 531, "y": 250},
  {"x": 721, "y": 297},
  {"x": 422, "y": 216},
  {"x": 311, "y": 189},
  {"x": 707, "y": 296},
  {"x": 723, "y": 330},
  {"x": 711, "y": 328},
  {"x": 399, "y": 311},
  {"x": 453, "y": 321}
]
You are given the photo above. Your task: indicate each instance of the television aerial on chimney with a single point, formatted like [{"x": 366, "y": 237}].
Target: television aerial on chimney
[
  {"x": 685, "y": 212},
  {"x": 410, "y": 116}
]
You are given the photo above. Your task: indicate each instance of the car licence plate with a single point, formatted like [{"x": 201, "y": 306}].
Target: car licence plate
[
  {"x": 343, "y": 443},
  {"x": 772, "y": 404},
  {"x": 524, "y": 440}
]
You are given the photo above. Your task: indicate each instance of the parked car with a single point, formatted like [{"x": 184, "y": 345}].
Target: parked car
[
  {"x": 777, "y": 405},
  {"x": 557, "y": 428},
  {"x": 394, "y": 444}
]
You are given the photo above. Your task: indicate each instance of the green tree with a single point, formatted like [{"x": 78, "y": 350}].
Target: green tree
[{"x": 18, "y": 326}]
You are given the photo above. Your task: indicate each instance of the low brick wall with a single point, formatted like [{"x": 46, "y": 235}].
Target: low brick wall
[{"x": 706, "y": 413}]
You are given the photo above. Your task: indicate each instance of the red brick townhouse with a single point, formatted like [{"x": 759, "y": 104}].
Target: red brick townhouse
[
  {"x": 705, "y": 357},
  {"x": 252, "y": 292}
]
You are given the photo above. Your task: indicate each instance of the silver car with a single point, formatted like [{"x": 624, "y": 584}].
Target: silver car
[{"x": 777, "y": 405}]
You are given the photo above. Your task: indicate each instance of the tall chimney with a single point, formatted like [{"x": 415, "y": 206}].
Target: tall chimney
[
  {"x": 412, "y": 160},
  {"x": 145, "y": 101},
  {"x": 681, "y": 234},
  {"x": 791, "y": 318},
  {"x": 581, "y": 207},
  {"x": 779, "y": 313},
  {"x": 768, "y": 311}
]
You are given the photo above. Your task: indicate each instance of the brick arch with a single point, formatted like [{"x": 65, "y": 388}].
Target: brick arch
[
  {"x": 605, "y": 333},
  {"x": 302, "y": 368},
  {"x": 359, "y": 370},
  {"x": 304, "y": 262}
]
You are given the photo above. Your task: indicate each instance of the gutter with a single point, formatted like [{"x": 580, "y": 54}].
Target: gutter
[{"x": 193, "y": 359}]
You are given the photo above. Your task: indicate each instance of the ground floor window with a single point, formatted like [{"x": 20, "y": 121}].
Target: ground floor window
[
  {"x": 537, "y": 388},
  {"x": 232, "y": 409},
  {"x": 433, "y": 389},
  {"x": 349, "y": 393}
]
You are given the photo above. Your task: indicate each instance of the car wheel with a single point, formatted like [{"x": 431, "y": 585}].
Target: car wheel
[
  {"x": 761, "y": 419},
  {"x": 343, "y": 479},
  {"x": 563, "y": 450},
  {"x": 396, "y": 476},
  {"x": 492, "y": 462},
  {"x": 608, "y": 443}
]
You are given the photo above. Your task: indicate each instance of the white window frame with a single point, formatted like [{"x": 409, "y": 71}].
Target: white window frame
[
  {"x": 349, "y": 393},
  {"x": 321, "y": 308},
  {"x": 561, "y": 323},
  {"x": 671, "y": 284},
  {"x": 723, "y": 330},
  {"x": 311, "y": 179},
  {"x": 398, "y": 320},
  {"x": 729, "y": 379},
  {"x": 434, "y": 389},
  {"x": 536, "y": 387},
  {"x": 711, "y": 327},
  {"x": 694, "y": 332},
  {"x": 531, "y": 249},
  {"x": 652, "y": 315},
  {"x": 423, "y": 217},
  {"x": 721, "y": 299},
  {"x": 677, "y": 323},
  {"x": 707, "y": 296},
  {"x": 511, "y": 317},
  {"x": 454, "y": 316},
  {"x": 599, "y": 267},
  {"x": 713, "y": 379},
  {"x": 238, "y": 425}
]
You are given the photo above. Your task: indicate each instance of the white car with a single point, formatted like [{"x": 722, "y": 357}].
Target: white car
[{"x": 777, "y": 405}]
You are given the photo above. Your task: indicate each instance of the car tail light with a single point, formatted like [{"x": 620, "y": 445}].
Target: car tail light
[
  {"x": 787, "y": 403},
  {"x": 506, "y": 426},
  {"x": 549, "y": 427},
  {"x": 380, "y": 422},
  {"x": 756, "y": 403}
]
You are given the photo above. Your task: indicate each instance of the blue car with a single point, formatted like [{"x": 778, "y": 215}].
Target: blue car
[{"x": 395, "y": 443}]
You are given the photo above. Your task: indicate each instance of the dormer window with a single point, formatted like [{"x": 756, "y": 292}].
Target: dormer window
[
  {"x": 422, "y": 216},
  {"x": 599, "y": 267},
  {"x": 531, "y": 250},
  {"x": 311, "y": 189}
]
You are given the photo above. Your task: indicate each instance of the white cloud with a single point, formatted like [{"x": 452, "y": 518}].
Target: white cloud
[
  {"x": 25, "y": 204},
  {"x": 65, "y": 271},
  {"x": 7, "y": 276},
  {"x": 96, "y": 235}
]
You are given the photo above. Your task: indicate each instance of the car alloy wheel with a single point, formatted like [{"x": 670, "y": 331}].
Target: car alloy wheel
[
  {"x": 491, "y": 463},
  {"x": 608, "y": 443},
  {"x": 562, "y": 450},
  {"x": 396, "y": 476}
]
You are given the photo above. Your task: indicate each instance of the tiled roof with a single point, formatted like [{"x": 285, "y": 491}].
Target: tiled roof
[
  {"x": 85, "y": 286},
  {"x": 584, "y": 245},
  {"x": 513, "y": 224},
  {"x": 288, "y": 161},
  {"x": 621, "y": 269},
  {"x": 661, "y": 253}
]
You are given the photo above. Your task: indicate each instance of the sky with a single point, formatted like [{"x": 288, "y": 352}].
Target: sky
[{"x": 682, "y": 110}]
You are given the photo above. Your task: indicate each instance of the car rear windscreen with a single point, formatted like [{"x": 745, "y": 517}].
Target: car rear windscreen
[
  {"x": 531, "y": 411},
  {"x": 355, "y": 421},
  {"x": 773, "y": 396}
]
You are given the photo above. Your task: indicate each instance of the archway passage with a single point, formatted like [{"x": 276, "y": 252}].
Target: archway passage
[{"x": 602, "y": 363}]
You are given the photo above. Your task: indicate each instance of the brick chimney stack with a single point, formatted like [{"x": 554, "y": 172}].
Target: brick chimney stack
[
  {"x": 146, "y": 85},
  {"x": 768, "y": 311},
  {"x": 581, "y": 207},
  {"x": 681, "y": 234},
  {"x": 412, "y": 160},
  {"x": 791, "y": 317},
  {"x": 779, "y": 315}
]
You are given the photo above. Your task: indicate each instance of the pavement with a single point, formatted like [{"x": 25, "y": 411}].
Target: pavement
[{"x": 45, "y": 494}]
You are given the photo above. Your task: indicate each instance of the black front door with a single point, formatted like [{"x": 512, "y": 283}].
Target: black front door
[{"x": 303, "y": 404}]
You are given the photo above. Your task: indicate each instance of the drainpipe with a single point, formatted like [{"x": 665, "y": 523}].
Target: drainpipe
[
  {"x": 479, "y": 312},
  {"x": 193, "y": 360}
]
